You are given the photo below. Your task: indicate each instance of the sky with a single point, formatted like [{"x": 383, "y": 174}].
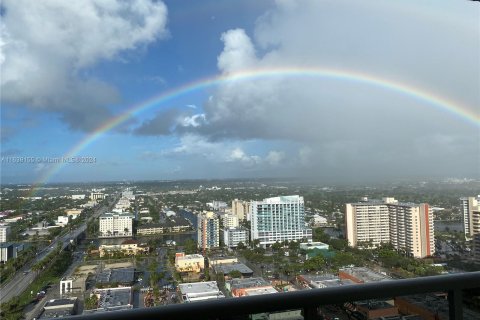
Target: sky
[{"x": 327, "y": 90}]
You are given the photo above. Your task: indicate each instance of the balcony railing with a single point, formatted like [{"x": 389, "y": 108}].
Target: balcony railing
[{"x": 307, "y": 300}]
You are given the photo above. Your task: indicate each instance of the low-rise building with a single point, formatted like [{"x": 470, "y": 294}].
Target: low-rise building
[
  {"x": 362, "y": 275},
  {"x": 78, "y": 196},
  {"x": 322, "y": 281},
  {"x": 233, "y": 236},
  {"x": 73, "y": 213},
  {"x": 112, "y": 299},
  {"x": 156, "y": 228},
  {"x": 372, "y": 309},
  {"x": 189, "y": 263},
  {"x": 313, "y": 245},
  {"x": 128, "y": 247},
  {"x": 200, "y": 291},
  {"x": 214, "y": 261},
  {"x": 59, "y": 308},
  {"x": 62, "y": 221},
  {"x": 225, "y": 269},
  {"x": 241, "y": 287},
  {"x": 120, "y": 276}
]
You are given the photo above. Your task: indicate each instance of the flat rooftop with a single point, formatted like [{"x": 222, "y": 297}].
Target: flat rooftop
[
  {"x": 366, "y": 275},
  {"x": 60, "y": 302},
  {"x": 247, "y": 283},
  {"x": 113, "y": 299},
  {"x": 120, "y": 275},
  {"x": 199, "y": 291},
  {"x": 227, "y": 268},
  {"x": 190, "y": 257},
  {"x": 260, "y": 291}
]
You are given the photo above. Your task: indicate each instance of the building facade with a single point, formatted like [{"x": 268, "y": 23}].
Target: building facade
[
  {"x": 208, "y": 231},
  {"x": 116, "y": 225},
  {"x": 4, "y": 233},
  {"x": 229, "y": 221},
  {"x": 407, "y": 226},
  {"x": 279, "y": 219},
  {"x": 467, "y": 206},
  {"x": 189, "y": 263},
  {"x": 241, "y": 209},
  {"x": 233, "y": 236}
]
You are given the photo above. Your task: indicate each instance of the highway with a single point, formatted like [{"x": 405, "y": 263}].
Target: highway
[{"x": 23, "y": 278}]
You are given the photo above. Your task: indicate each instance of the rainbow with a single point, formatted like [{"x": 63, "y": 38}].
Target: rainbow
[{"x": 418, "y": 94}]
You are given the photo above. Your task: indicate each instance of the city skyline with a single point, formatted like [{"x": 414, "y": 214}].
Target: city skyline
[{"x": 173, "y": 90}]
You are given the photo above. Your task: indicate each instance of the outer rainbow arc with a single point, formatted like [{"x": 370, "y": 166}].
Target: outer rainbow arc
[{"x": 350, "y": 76}]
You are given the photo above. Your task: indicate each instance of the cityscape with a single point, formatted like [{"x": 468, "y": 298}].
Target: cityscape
[
  {"x": 240, "y": 159},
  {"x": 86, "y": 249}
]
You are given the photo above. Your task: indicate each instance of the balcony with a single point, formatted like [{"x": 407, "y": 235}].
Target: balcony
[{"x": 308, "y": 300}]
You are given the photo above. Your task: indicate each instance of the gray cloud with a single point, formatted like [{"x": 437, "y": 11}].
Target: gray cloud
[
  {"x": 352, "y": 128},
  {"x": 47, "y": 50}
]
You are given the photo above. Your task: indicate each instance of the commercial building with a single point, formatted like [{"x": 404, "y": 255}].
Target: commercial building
[
  {"x": 189, "y": 262},
  {"x": 112, "y": 299},
  {"x": 469, "y": 205},
  {"x": 242, "y": 287},
  {"x": 116, "y": 225},
  {"x": 121, "y": 276},
  {"x": 97, "y": 196},
  {"x": 279, "y": 219},
  {"x": 208, "y": 230},
  {"x": 322, "y": 281},
  {"x": 156, "y": 228},
  {"x": 10, "y": 250},
  {"x": 200, "y": 291},
  {"x": 407, "y": 226},
  {"x": 233, "y": 236},
  {"x": 73, "y": 213},
  {"x": 362, "y": 275},
  {"x": 78, "y": 196},
  {"x": 241, "y": 209},
  {"x": 62, "y": 221},
  {"x": 128, "y": 247},
  {"x": 4, "y": 233},
  {"x": 59, "y": 308},
  {"x": 225, "y": 269},
  {"x": 373, "y": 309}
]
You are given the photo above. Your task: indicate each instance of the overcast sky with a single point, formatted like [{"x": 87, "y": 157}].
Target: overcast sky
[{"x": 69, "y": 67}]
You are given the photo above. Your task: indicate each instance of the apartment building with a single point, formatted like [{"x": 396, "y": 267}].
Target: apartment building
[
  {"x": 279, "y": 219},
  {"x": 189, "y": 263},
  {"x": 241, "y": 209},
  {"x": 4, "y": 232},
  {"x": 229, "y": 221},
  {"x": 407, "y": 226},
  {"x": 468, "y": 205},
  {"x": 116, "y": 225},
  {"x": 233, "y": 236},
  {"x": 208, "y": 232}
]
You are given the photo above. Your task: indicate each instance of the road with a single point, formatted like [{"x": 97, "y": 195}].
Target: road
[{"x": 23, "y": 278}]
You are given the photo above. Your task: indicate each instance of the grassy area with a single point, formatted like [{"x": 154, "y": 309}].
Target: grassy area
[{"x": 13, "y": 309}]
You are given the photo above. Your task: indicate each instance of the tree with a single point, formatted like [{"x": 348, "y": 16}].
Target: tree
[
  {"x": 241, "y": 246},
  {"x": 91, "y": 302},
  {"x": 276, "y": 246},
  {"x": 190, "y": 246},
  {"x": 235, "y": 274}
]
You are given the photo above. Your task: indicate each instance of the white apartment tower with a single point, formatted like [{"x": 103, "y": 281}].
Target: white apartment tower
[
  {"x": 116, "y": 225},
  {"x": 406, "y": 226},
  {"x": 279, "y": 219},
  {"x": 467, "y": 206},
  {"x": 4, "y": 232},
  {"x": 208, "y": 230}
]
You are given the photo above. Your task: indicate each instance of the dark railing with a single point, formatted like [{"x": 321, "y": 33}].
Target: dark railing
[{"x": 307, "y": 300}]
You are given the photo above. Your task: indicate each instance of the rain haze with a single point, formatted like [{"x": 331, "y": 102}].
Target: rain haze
[{"x": 337, "y": 91}]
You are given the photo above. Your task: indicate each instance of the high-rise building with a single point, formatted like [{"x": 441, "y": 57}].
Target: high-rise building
[
  {"x": 208, "y": 231},
  {"x": 116, "y": 225},
  {"x": 407, "y": 226},
  {"x": 241, "y": 209},
  {"x": 279, "y": 219},
  {"x": 233, "y": 236},
  {"x": 229, "y": 221},
  {"x": 4, "y": 232},
  {"x": 467, "y": 206}
]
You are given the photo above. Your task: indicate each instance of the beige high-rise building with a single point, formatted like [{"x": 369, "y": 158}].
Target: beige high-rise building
[
  {"x": 467, "y": 206},
  {"x": 208, "y": 231},
  {"x": 241, "y": 209},
  {"x": 406, "y": 226}
]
